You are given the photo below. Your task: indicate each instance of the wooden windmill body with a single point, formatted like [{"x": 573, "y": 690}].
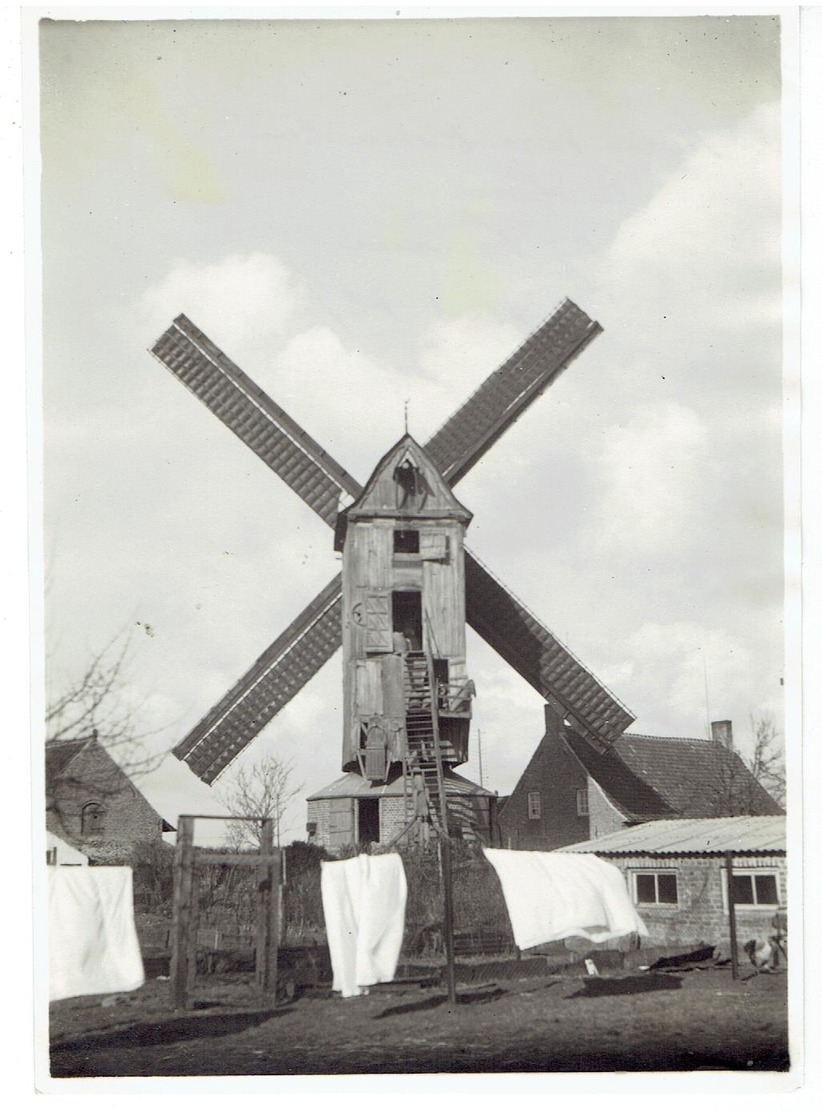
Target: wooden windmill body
[{"x": 399, "y": 608}]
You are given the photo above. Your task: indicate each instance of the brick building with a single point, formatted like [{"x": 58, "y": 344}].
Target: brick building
[
  {"x": 571, "y": 790},
  {"x": 93, "y": 805},
  {"x": 352, "y": 811},
  {"x": 676, "y": 873}
]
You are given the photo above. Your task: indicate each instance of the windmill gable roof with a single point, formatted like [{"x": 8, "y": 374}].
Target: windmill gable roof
[
  {"x": 407, "y": 467},
  {"x": 352, "y": 784},
  {"x": 646, "y": 777}
]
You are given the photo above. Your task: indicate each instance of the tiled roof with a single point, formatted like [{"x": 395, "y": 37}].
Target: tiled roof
[
  {"x": 352, "y": 784},
  {"x": 646, "y": 776},
  {"x": 61, "y": 754},
  {"x": 740, "y": 834},
  {"x": 631, "y": 794}
]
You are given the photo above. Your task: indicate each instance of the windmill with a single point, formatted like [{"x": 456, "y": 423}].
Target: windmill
[{"x": 416, "y": 483}]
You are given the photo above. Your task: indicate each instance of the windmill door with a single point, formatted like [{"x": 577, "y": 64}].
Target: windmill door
[
  {"x": 341, "y": 822},
  {"x": 378, "y": 622}
]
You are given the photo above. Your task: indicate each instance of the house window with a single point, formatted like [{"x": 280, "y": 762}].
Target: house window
[
  {"x": 582, "y": 801},
  {"x": 534, "y": 805},
  {"x": 406, "y": 541},
  {"x": 92, "y": 819},
  {"x": 755, "y": 889},
  {"x": 655, "y": 887}
]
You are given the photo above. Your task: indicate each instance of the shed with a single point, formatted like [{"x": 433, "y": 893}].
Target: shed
[{"x": 676, "y": 873}]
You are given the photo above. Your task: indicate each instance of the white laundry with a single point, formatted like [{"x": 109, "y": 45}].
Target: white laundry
[
  {"x": 554, "y": 896},
  {"x": 93, "y": 945},
  {"x": 364, "y": 907}
]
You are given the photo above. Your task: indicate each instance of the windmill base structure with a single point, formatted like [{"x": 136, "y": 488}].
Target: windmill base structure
[{"x": 400, "y": 606}]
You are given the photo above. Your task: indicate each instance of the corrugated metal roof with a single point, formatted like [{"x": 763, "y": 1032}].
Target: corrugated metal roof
[
  {"x": 741, "y": 834},
  {"x": 352, "y": 784}
]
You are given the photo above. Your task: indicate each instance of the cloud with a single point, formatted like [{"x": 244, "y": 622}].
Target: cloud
[
  {"x": 688, "y": 673},
  {"x": 649, "y": 465},
  {"x": 241, "y": 301},
  {"x": 711, "y": 235},
  {"x": 464, "y": 350}
]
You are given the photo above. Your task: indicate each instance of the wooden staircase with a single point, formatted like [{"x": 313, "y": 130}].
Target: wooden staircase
[{"x": 424, "y": 761}]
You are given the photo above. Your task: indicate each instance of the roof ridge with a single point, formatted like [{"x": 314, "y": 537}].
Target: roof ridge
[{"x": 671, "y": 738}]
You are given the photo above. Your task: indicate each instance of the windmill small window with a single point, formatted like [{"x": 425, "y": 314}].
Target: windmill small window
[
  {"x": 534, "y": 805},
  {"x": 406, "y": 540},
  {"x": 92, "y": 819}
]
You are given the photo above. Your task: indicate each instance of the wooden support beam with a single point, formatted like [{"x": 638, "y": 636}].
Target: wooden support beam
[
  {"x": 729, "y": 870},
  {"x": 268, "y": 912},
  {"x": 183, "y": 928}
]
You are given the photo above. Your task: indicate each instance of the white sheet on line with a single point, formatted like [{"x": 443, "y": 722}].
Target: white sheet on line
[
  {"x": 553, "y": 896},
  {"x": 364, "y": 907},
  {"x": 93, "y": 946}
]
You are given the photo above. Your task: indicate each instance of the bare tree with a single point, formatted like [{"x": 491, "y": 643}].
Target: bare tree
[
  {"x": 768, "y": 760},
  {"x": 94, "y": 704},
  {"x": 738, "y": 784},
  {"x": 263, "y": 790},
  {"x": 93, "y": 707}
]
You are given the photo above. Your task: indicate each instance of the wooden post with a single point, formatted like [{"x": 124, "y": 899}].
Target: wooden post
[
  {"x": 729, "y": 869},
  {"x": 268, "y": 912},
  {"x": 183, "y": 929},
  {"x": 448, "y": 916},
  {"x": 444, "y": 844}
]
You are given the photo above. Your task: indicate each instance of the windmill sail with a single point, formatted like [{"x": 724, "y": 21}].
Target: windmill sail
[
  {"x": 508, "y": 392},
  {"x": 256, "y": 419},
  {"x": 540, "y": 658},
  {"x": 274, "y": 679}
]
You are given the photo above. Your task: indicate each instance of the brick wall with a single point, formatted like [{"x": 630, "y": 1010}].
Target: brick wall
[
  {"x": 392, "y": 817},
  {"x": 318, "y": 811},
  {"x": 556, "y": 774},
  {"x": 701, "y": 912},
  {"x": 128, "y": 818},
  {"x": 392, "y": 821},
  {"x": 603, "y": 817}
]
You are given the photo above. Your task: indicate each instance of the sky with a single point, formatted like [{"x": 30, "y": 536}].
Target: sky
[{"x": 367, "y": 213}]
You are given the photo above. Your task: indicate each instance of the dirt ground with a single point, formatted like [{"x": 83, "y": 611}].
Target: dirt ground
[{"x": 696, "y": 1020}]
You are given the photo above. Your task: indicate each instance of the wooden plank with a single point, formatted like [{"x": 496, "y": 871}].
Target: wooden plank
[
  {"x": 378, "y": 622},
  {"x": 208, "y": 858}
]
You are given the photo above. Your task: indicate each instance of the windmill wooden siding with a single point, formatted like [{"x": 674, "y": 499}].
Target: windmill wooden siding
[{"x": 375, "y": 571}]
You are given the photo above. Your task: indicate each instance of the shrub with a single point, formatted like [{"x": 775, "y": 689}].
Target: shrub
[{"x": 153, "y": 866}]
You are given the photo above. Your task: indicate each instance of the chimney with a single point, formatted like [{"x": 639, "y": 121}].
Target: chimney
[
  {"x": 723, "y": 733},
  {"x": 553, "y": 721}
]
